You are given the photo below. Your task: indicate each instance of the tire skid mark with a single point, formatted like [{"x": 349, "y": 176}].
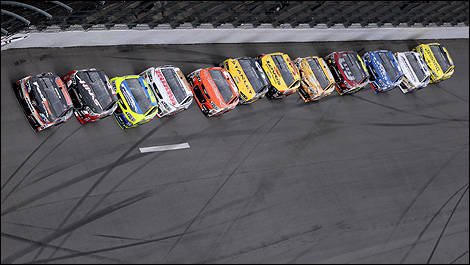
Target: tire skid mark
[
  {"x": 422, "y": 190},
  {"x": 78, "y": 224},
  {"x": 171, "y": 229},
  {"x": 459, "y": 257},
  {"x": 137, "y": 156},
  {"x": 231, "y": 224},
  {"x": 452, "y": 94},
  {"x": 47, "y": 173},
  {"x": 356, "y": 260},
  {"x": 101, "y": 250},
  {"x": 385, "y": 124},
  {"x": 445, "y": 226},
  {"x": 27, "y": 159},
  {"x": 66, "y": 184},
  {"x": 115, "y": 187},
  {"x": 409, "y": 113},
  {"x": 30, "y": 226},
  {"x": 430, "y": 222},
  {"x": 22, "y": 239},
  {"x": 103, "y": 177},
  {"x": 118, "y": 237},
  {"x": 434, "y": 107},
  {"x": 266, "y": 245},
  {"x": 123, "y": 190},
  {"x": 140, "y": 167},
  {"x": 19, "y": 207},
  {"x": 239, "y": 216},
  {"x": 222, "y": 185},
  {"x": 39, "y": 162}
]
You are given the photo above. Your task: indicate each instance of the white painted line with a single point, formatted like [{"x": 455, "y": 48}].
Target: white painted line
[{"x": 160, "y": 148}]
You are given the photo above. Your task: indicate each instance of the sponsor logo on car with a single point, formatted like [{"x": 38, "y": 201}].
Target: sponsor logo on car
[
  {"x": 93, "y": 97},
  {"x": 165, "y": 85}
]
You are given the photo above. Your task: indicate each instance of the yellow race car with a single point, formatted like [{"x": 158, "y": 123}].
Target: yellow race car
[
  {"x": 249, "y": 77},
  {"x": 437, "y": 59},
  {"x": 317, "y": 81},
  {"x": 282, "y": 74},
  {"x": 137, "y": 103}
]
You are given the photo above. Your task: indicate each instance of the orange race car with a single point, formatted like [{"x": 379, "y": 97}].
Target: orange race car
[
  {"x": 317, "y": 81},
  {"x": 214, "y": 90}
]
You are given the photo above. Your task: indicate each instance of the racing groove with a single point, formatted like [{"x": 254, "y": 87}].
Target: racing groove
[{"x": 361, "y": 178}]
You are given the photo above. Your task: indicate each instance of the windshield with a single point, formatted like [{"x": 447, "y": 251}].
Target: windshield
[
  {"x": 318, "y": 72},
  {"x": 284, "y": 69},
  {"x": 388, "y": 65},
  {"x": 252, "y": 74},
  {"x": 175, "y": 86},
  {"x": 222, "y": 84},
  {"x": 351, "y": 67},
  {"x": 139, "y": 92},
  {"x": 441, "y": 57},
  {"x": 417, "y": 69},
  {"x": 95, "y": 90}
]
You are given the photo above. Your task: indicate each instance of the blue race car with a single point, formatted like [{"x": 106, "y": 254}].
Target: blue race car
[{"x": 385, "y": 72}]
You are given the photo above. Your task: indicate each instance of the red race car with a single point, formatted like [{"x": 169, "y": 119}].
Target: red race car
[
  {"x": 349, "y": 71},
  {"x": 214, "y": 90},
  {"x": 92, "y": 95}
]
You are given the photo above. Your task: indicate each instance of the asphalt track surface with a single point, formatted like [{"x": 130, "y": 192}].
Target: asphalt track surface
[{"x": 362, "y": 178}]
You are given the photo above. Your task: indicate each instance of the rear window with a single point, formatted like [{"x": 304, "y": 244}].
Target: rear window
[
  {"x": 175, "y": 86},
  {"x": 222, "y": 84},
  {"x": 140, "y": 94},
  {"x": 441, "y": 57},
  {"x": 252, "y": 74},
  {"x": 284, "y": 69},
  {"x": 318, "y": 72},
  {"x": 388, "y": 65},
  {"x": 420, "y": 74}
]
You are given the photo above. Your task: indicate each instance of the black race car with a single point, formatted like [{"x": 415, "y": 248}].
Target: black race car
[
  {"x": 44, "y": 99},
  {"x": 92, "y": 94}
]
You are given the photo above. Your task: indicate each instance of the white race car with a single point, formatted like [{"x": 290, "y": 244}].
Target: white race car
[
  {"x": 414, "y": 68},
  {"x": 171, "y": 88}
]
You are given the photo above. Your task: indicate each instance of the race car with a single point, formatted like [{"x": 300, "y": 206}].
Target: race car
[
  {"x": 416, "y": 73},
  {"x": 92, "y": 95},
  {"x": 249, "y": 77},
  {"x": 137, "y": 103},
  {"x": 171, "y": 88},
  {"x": 214, "y": 90},
  {"x": 384, "y": 71},
  {"x": 44, "y": 100},
  {"x": 282, "y": 73},
  {"x": 317, "y": 81},
  {"x": 437, "y": 59},
  {"x": 348, "y": 70}
]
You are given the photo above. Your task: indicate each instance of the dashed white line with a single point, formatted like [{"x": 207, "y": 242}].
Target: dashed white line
[{"x": 160, "y": 148}]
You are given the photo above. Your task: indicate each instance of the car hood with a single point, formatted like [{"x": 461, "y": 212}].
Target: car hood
[
  {"x": 351, "y": 68},
  {"x": 138, "y": 97},
  {"x": 52, "y": 100},
  {"x": 95, "y": 90}
]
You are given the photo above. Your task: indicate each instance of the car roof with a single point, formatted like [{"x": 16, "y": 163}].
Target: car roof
[{"x": 211, "y": 87}]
